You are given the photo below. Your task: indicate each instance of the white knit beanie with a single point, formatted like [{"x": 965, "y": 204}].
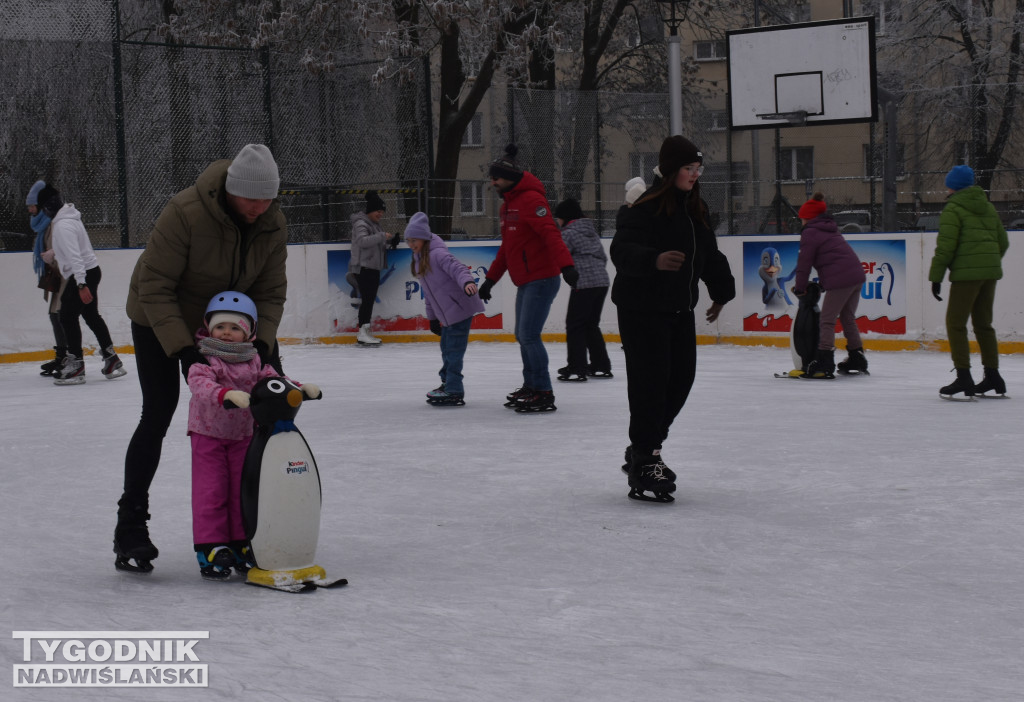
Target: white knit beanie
[
  {"x": 635, "y": 187},
  {"x": 237, "y": 318},
  {"x": 253, "y": 174}
]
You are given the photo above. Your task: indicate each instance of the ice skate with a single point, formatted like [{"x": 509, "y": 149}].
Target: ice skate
[
  {"x": 51, "y": 367},
  {"x": 855, "y": 363},
  {"x": 72, "y": 371},
  {"x": 992, "y": 381},
  {"x": 538, "y": 401},
  {"x": 822, "y": 367},
  {"x": 961, "y": 389},
  {"x": 365, "y": 338},
  {"x": 133, "y": 547},
  {"x": 112, "y": 366},
  {"x": 436, "y": 392},
  {"x": 647, "y": 473},
  {"x": 513, "y": 397},
  {"x": 567, "y": 374},
  {"x": 599, "y": 372},
  {"x": 447, "y": 399},
  {"x": 215, "y": 563}
]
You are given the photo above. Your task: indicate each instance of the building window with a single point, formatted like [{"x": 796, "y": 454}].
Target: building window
[
  {"x": 710, "y": 50},
  {"x": 885, "y": 12},
  {"x": 474, "y": 134},
  {"x": 797, "y": 163},
  {"x": 642, "y": 163},
  {"x": 471, "y": 198},
  {"x": 719, "y": 120},
  {"x": 874, "y": 167}
]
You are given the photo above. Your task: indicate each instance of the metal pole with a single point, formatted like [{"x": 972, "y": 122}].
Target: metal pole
[
  {"x": 122, "y": 151},
  {"x": 675, "y": 83}
]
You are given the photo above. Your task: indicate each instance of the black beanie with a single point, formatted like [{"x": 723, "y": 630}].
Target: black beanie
[
  {"x": 506, "y": 166},
  {"x": 374, "y": 202},
  {"x": 676, "y": 152},
  {"x": 568, "y": 210},
  {"x": 49, "y": 200}
]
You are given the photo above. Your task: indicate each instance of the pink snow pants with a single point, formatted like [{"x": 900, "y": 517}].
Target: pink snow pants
[{"x": 216, "y": 489}]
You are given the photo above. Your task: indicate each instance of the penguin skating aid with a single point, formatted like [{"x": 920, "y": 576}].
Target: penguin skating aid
[{"x": 281, "y": 494}]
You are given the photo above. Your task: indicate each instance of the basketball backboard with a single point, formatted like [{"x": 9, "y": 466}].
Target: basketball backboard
[{"x": 809, "y": 73}]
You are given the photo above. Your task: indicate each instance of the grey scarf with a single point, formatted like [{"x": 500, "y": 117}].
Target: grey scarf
[{"x": 229, "y": 351}]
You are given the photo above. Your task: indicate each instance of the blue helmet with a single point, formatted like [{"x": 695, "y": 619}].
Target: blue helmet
[{"x": 232, "y": 301}]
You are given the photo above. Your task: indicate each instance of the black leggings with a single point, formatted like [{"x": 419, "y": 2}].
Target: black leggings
[
  {"x": 369, "y": 281},
  {"x": 159, "y": 378},
  {"x": 71, "y": 307},
  {"x": 661, "y": 363}
]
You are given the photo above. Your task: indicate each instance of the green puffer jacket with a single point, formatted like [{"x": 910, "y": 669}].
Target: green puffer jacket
[
  {"x": 196, "y": 251},
  {"x": 972, "y": 239}
]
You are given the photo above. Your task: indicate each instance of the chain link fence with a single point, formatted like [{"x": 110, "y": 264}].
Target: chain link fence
[{"x": 120, "y": 125}]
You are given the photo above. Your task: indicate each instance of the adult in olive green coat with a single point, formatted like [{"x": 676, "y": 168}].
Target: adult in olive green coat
[
  {"x": 971, "y": 245},
  {"x": 225, "y": 232}
]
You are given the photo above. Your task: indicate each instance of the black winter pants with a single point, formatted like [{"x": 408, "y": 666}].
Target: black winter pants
[
  {"x": 661, "y": 362},
  {"x": 369, "y": 282},
  {"x": 583, "y": 330},
  {"x": 159, "y": 378}
]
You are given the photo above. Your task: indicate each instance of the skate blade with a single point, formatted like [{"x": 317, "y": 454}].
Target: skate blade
[
  {"x": 535, "y": 410},
  {"x": 139, "y": 567},
  {"x": 958, "y": 398},
  {"x": 1003, "y": 396},
  {"x": 573, "y": 379},
  {"x": 642, "y": 496},
  {"x": 435, "y": 403},
  {"x": 115, "y": 374}
]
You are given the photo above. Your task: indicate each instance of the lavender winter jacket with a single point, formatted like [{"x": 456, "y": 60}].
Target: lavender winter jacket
[
  {"x": 444, "y": 286},
  {"x": 824, "y": 248},
  {"x": 588, "y": 255},
  {"x": 206, "y": 413}
]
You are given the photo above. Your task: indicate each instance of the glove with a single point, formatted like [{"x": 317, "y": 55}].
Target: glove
[
  {"x": 312, "y": 391},
  {"x": 435, "y": 326},
  {"x": 236, "y": 399},
  {"x": 936, "y": 290},
  {"x": 394, "y": 241},
  {"x": 188, "y": 356},
  {"x": 571, "y": 276},
  {"x": 485, "y": 290},
  {"x": 263, "y": 350}
]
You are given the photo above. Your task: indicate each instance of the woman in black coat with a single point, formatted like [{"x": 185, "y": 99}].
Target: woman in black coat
[{"x": 663, "y": 245}]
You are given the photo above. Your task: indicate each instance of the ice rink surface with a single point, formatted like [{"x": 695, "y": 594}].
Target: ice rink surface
[{"x": 859, "y": 540}]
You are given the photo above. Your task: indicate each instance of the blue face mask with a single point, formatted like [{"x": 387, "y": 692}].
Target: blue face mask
[{"x": 40, "y": 221}]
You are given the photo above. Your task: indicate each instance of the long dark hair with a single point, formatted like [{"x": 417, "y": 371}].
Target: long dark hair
[
  {"x": 665, "y": 195},
  {"x": 424, "y": 261}
]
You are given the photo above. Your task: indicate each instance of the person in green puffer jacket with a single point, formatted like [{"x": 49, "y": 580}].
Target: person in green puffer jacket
[{"x": 971, "y": 245}]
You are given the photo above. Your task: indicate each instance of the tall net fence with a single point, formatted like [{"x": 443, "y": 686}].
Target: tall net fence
[{"x": 119, "y": 125}]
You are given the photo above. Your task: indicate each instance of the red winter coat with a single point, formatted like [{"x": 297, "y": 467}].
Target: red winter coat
[{"x": 531, "y": 244}]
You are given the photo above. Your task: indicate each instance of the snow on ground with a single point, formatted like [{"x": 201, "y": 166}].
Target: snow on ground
[{"x": 854, "y": 540}]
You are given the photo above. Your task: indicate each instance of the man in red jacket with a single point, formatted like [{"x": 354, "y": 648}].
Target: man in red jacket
[{"x": 533, "y": 253}]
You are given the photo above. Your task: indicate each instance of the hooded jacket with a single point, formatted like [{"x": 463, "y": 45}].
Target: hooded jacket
[
  {"x": 587, "y": 253},
  {"x": 71, "y": 246},
  {"x": 444, "y": 286},
  {"x": 641, "y": 235},
  {"x": 823, "y": 247},
  {"x": 972, "y": 239},
  {"x": 531, "y": 245},
  {"x": 196, "y": 251},
  {"x": 369, "y": 244}
]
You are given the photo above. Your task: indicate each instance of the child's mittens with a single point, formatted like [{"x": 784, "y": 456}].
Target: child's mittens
[
  {"x": 236, "y": 398},
  {"x": 311, "y": 391}
]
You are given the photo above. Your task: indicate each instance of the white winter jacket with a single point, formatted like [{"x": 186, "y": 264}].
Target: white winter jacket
[{"x": 71, "y": 245}]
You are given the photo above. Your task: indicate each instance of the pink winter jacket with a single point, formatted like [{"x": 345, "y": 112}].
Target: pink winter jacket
[{"x": 206, "y": 413}]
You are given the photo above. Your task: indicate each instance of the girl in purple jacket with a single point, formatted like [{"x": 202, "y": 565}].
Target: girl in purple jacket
[
  {"x": 220, "y": 436},
  {"x": 449, "y": 292},
  {"x": 841, "y": 276}
]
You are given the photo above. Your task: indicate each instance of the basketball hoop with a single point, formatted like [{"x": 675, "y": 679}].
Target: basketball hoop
[{"x": 798, "y": 118}]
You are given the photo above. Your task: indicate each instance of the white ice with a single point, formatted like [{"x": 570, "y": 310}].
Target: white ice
[{"x": 853, "y": 540}]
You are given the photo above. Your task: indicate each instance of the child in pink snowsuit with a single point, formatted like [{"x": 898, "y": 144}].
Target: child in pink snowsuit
[{"x": 221, "y": 436}]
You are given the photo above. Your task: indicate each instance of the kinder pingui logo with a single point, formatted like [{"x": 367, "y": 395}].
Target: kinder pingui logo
[
  {"x": 110, "y": 659},
  {"x": 296, "y": 467}
]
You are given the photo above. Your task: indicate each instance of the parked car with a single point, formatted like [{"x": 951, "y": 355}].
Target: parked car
[
  {"x": 853, "y": 221},
  {"x": 1016, "y": 224},
  {"x": 927, "y": 222}
]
